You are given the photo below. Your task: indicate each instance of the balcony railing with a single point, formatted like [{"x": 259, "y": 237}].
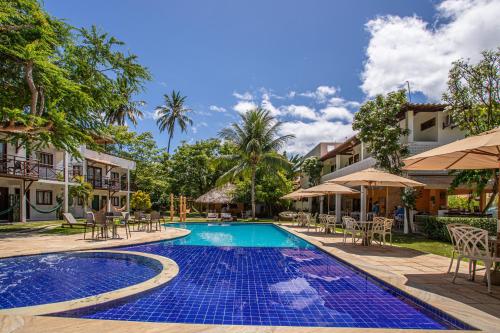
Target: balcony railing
[
  {"x": 108, "y": 183},
  {"x": 358, "y": 166},
  {"x": 20, "y": 167}
]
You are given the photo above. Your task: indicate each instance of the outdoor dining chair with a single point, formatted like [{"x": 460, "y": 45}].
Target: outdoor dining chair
[
  {"x": 473, "y": 243},
  {"x": 154, "y": 219},
  {"x": 101, "y": 225},
  {"x": 331, "y": 223},
  {"x": 125, "y": 222},
  {"x": 352, "y": 227},
  {"x": 454, "y": 250},
  {"x": 381, "y": 228}
]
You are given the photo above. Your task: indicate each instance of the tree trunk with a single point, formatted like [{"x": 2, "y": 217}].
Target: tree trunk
[
  {"x": 493, "y": 192},
  {"x": 253, "y": 192},
  {"x": 168, "y": 145},
  {"x": 28, "y": 75}
]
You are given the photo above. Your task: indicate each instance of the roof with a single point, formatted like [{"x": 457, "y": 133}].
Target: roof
[
  {"x": 102, "y": 162},
  {"x": 222, "y": 195},
  {"x": 421, "y": 107},
  {"x": 344, "y": 147}
]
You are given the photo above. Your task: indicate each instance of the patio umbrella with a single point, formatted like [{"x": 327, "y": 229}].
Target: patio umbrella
[
  {"x": 476, "y": 152},
  {"x": 299, "y": 195},
  {"x": 373, "y": 177},
  {"x": 330, "y": 188}
]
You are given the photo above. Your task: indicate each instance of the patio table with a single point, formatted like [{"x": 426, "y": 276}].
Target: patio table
[
  {"x": 366, "y": 227},
  {"x": 110, "y": 222}
]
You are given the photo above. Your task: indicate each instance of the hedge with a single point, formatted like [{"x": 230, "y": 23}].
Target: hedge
[{"x": 435, "y": 226}]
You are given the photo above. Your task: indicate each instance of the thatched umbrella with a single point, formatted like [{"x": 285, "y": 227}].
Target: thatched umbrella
[{"x": 220, "y": 195}]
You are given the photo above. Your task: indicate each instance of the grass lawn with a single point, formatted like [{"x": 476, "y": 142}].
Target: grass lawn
[
  {"x": 42, "y": 227},
  {"x": 423, "y": 244}
]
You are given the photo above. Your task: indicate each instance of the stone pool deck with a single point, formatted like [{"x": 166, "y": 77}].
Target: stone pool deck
[
  {"x": 16, "y": 244},
  {"x": 419, "y": 274}
]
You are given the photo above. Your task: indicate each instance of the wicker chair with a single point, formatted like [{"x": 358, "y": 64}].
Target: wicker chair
[{"x": 351, "y": 226}]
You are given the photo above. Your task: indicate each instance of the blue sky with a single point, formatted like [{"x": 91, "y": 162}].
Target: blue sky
[{"x": 310, "y": 62}]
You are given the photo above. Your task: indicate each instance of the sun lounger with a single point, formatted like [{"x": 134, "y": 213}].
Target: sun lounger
[
  {"x": 212, "y": 216},
  {"x": 226, "y": 217},
  {"x": 70, "y": 221}
]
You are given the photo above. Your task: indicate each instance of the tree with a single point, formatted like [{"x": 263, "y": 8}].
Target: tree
[
  {"x": 473, "y": 98},
  {"x": 378, "y": 126},
  {"x": 57, "y": 82},
  {"x": 82, "y": 191},
  {"x": 140, "y": 201},
  {"x": 257, "y": 142},
  {"x": 171, "y": 113},
  {"x": 312, "y": 167}
]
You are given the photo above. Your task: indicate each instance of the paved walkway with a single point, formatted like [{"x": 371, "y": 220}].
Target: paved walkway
[
  {"x": 15, "y": 244},
  {"x": 421, "y": 274}
]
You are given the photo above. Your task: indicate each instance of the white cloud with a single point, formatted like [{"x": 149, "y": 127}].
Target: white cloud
[
  {"x": 196, "y": 126},
  {"x": 244, "y": 106},
  {"x": 268, "y": 105},
  {"x": 321, "y": 93},
  {"x": 300, "y": 111},
  {"x": 336, "y": 113},
  {"x": 409, "y": 49},
  {"x": 216, "y": 108},
  {"x": 308, "y": 135},
  {"x": 246, "y": 96}
]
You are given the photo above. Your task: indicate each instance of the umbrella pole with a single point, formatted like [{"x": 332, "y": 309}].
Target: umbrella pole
[
  {"x": 328, "y": 204},
  {"x": 387, "y": 201}
]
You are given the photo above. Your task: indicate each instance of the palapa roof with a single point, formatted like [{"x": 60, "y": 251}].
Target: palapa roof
[{"x": 220, "y": 195}]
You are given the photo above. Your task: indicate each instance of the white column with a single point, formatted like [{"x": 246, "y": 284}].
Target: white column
[
  {"x": 321, "y": 201},
  {"x": 362, "y": 152},
  {"x": 410, "y": 122},
  {"x": 309, "y": 204},
  {"x": 128, "y": 190},
  {"x": 66, "y": 182},
  {"x": 23, "y": 202},
  {"x": 362, "y": 215},
  {"x": 338, "y": 207}
]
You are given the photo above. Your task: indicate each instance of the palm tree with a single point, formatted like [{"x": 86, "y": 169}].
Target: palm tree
[
  {"x": 83, "y": 191},
  {"x": 171, "y": 113},
  {"x": 257, "y": 143},
  {"x": 126, "y": 108}
]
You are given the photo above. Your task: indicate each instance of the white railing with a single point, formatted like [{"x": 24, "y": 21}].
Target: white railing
[
  {"x": 421, "y": 146},
  {"x": 358, "y": 166}
]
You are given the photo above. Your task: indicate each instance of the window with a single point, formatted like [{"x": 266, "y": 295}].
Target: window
[
  {"x": 43, "y": 197},
  {"x": 46, "y": 160},
  {"x": 428, "y": 124},
  {"x": 115, "y": 175},
  {"x": 94, "y": 176},
  {"x": 353, "y": 159},
  {"x": 77, "y": 170},
  {"x": 115, "y": 201}
]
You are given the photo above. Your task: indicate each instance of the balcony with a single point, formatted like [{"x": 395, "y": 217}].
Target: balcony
[
  {"x": 107, "y": 183},
  {"x": 13, "y": 166},
  {"x": 355, "y": 167},
  {"x": 418, "y": 147}
]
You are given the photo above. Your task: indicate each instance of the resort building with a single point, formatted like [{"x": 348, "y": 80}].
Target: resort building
[
  {"x": 35, "y": 185},
  {"x": 430, "y": 126}
]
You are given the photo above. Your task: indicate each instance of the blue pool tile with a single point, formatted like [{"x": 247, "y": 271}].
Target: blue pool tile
[{"x": 269, "y": 286}]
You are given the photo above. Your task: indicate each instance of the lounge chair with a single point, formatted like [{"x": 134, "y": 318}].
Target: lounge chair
[
  {"x": 72, "y": 222},
  {"x": 212, "y": 216},
  {"x": 226, "y": 217}
]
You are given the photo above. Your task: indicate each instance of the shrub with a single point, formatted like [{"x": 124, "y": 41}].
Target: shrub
[
  {"x": 140, "y": 201},
  {"x": 435, "y": 226}
]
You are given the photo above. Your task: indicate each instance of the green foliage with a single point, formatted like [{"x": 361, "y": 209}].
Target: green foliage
[
  {"x": 195, "y": 168},
  {"x": 312, "y": 167},
  {"x": 435, "y": 226},
  {"x": 378, "y": 126},
  {"x": 57, "y": 82},
  {"x": 256, "y": 142},
  {"x": 473, "y": 93},
  {"x": 462, "y": 202},
  {"x": 83, "y": 190},
  {"x": 473, "y": 98},
  {"x": 140, "y": 201},
  {"x": 171, "y": 113}
]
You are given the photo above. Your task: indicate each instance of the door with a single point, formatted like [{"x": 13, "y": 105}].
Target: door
[
  {"x": 104, "y": 202},
  {"x": 3, "y": 157},
  {"x": 4, "y": 203},
  {"x": 95, "y": 202},
  {"x": 94, "y": 176}
]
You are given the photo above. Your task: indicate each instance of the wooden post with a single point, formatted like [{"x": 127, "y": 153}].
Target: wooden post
[
  {"x": 387, "y": 201},
  {"x": 171, "y": 207}
]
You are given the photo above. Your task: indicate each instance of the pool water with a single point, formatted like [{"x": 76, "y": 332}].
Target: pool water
[
  {"x": 237, "y": 281},
  {"x": 238, "y": 234},
  {"x": 49, "y": 278}
]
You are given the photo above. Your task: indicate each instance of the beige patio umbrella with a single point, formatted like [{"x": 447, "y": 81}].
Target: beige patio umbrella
[
  {"x": 476, "y": 152},
  {"x": 330, "y": 188},
  {"x": 373, "y": 177},
  {"x": 299, "y": 195}
]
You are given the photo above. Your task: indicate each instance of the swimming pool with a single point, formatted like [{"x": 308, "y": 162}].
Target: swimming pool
[
  {"x": 238, "y": 234},
  {"x": 248, "y": 283},
  {"x": 50, "y": 278}
]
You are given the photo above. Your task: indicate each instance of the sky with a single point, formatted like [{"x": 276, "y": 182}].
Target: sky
[{"x": 310, "y": 63}]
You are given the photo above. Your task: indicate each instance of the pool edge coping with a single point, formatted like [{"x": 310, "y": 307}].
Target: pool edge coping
[
  {"x": 170, "y": 269},
  {"x": 478, "y": 319}
]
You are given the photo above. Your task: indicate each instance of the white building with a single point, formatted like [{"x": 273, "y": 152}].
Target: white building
[
  {"x": 430, "y": 126},
  {"x": 34, "y": 185}
]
